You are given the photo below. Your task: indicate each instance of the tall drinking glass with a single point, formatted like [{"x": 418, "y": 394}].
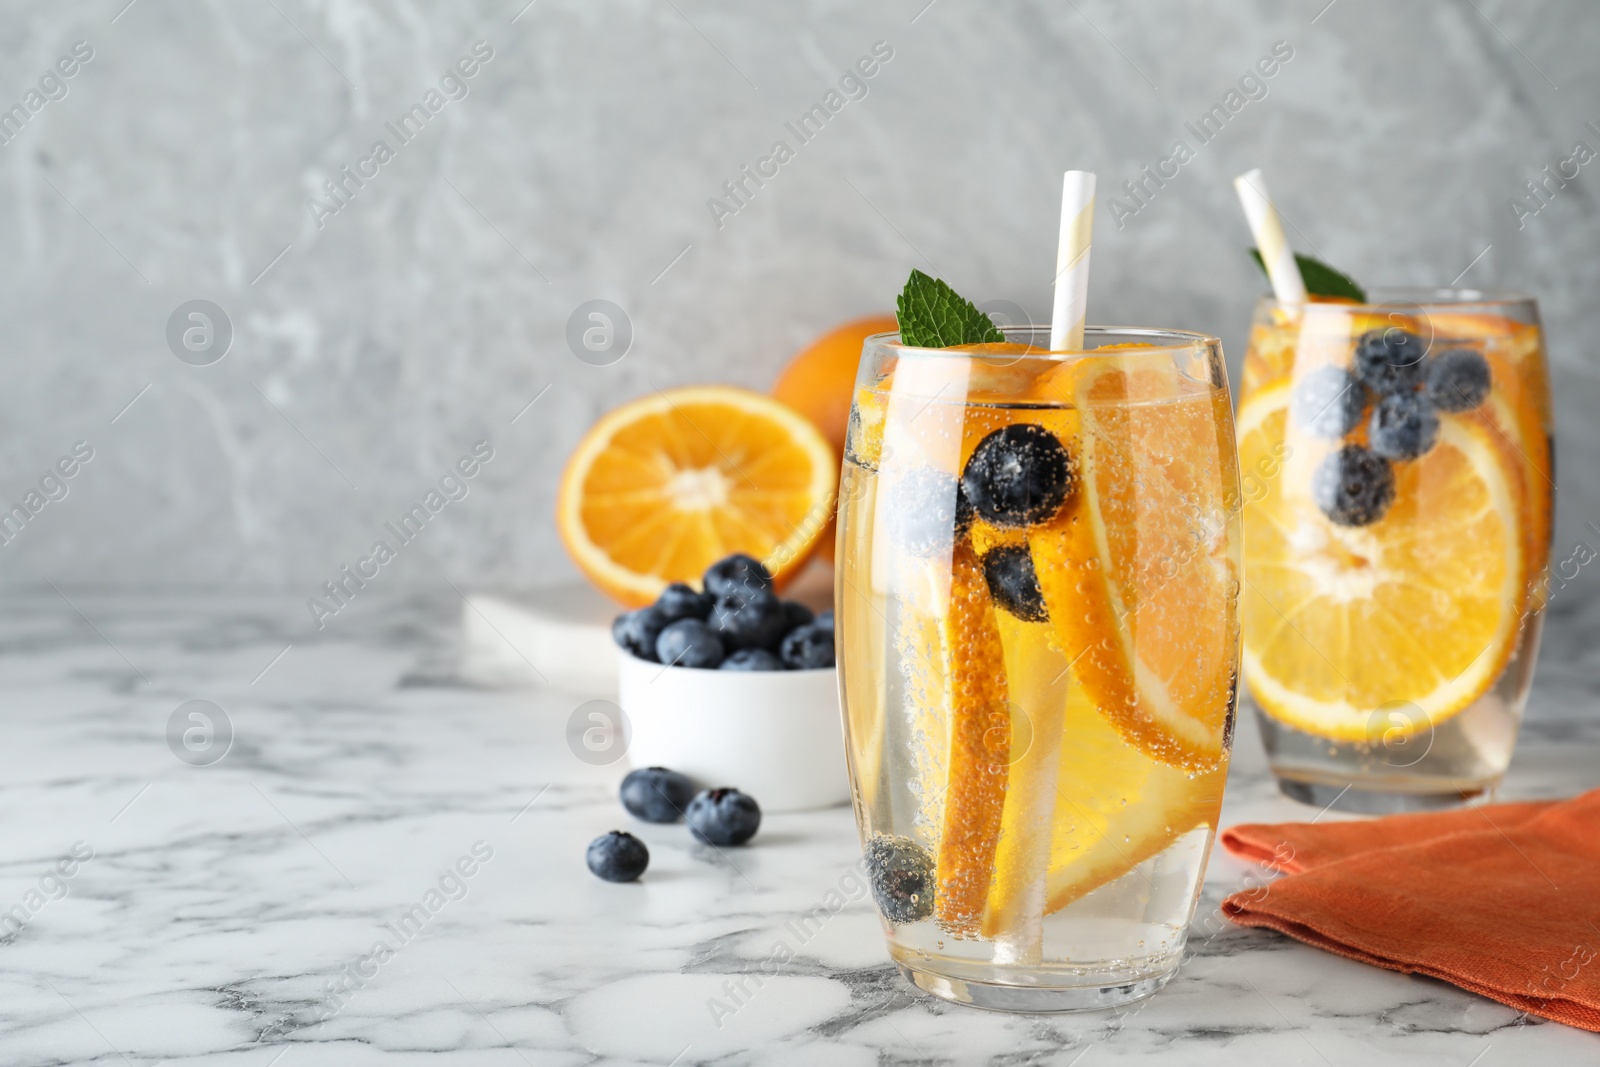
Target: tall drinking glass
[
  {"x": 1396, "y": 461},
  {"x": 1037, "y": 585}
]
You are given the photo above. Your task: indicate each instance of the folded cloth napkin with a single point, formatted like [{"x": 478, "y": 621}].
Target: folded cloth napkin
[{"x": 1503, "y": 900}]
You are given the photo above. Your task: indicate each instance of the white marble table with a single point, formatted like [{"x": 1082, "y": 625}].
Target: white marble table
[{"x": 220, "y": 902}]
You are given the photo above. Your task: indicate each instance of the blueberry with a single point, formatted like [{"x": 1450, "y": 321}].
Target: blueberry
[
  {"x": 1457, "y": 380},
  {"x": 795, "y": 614},
  {"x": 656, "y": 794},
  {"x": 927, "y": 512},
  {"x": 1389, "y": 360},
  {"x": 824, "y": 618},
  {"x": 1328, "y": 402},
  {"x": 901, "y": 873},
  {"x": 681, "y": 601},
  {"x": 736, "y": 575},
  {"x": 1403, "y": 426},
  {"x": 748, "y": 622},
  {"x": 636, "y": 632},
  {"x": 1013, "y": 583},
  {"x": 723, "y": 817},
  {"x": 689, "y": 643},
  {"x": 1354, "y": 486},
  {"x": 808, "y": 648},
  {"x": 752, "y": 659},
  {"x": 617, "y": 857},
  {"x": 1018, "y": 475}
]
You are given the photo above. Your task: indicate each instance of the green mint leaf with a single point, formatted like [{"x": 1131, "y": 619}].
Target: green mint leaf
[
  {"x": 933, "y": 315},
  {"x": 1321, "y": 279}
]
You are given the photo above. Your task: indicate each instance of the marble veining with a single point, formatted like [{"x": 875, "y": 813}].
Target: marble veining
[{"x": 233, "y": 913}]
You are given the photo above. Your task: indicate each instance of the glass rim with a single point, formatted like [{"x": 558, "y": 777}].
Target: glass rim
[
  {"x": 1161, "y": 340},
  {"x": 1422, "y": 296}
]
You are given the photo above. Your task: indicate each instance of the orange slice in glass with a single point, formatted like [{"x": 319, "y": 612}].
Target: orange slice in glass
[
  {"x": 979, "y": 738},
  {"x": 666, "y": 485},
  {"x": 1140, "y": 572},
  {"x": 1422, "y": 606}
]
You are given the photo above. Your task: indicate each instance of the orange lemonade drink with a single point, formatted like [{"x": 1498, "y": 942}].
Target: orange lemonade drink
[
  {"x": 1396, "y": 461},
  {"x": 1038, "y": 571}
]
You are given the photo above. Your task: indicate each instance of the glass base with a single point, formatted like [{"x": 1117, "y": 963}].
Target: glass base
[
  {"x": 1033, "y": 999},
  {"x": 1365, "y": 800}
]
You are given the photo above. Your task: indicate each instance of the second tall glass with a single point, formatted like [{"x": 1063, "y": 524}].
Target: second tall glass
[{"x": 1396, "y": 460}]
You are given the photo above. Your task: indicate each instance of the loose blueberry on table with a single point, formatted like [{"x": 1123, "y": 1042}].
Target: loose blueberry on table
[
  {"x": 617, "y": 857},
  {"x": 723, "y": 817},
  {"x": 656, "y": 794}
]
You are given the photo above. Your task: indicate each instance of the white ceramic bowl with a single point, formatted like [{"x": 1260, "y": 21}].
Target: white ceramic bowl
[{"x": 776, "y": 735}]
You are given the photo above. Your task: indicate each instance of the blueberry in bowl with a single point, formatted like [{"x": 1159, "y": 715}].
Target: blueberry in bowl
[
  {"x": 682, "y": 601},
  {"x": 689, "y": 643},
  {"x": 636, "y": 632},
  {"x": 736, "y": 575},
  {"x": 752, "y": 659},
  {"x": 807, "y": 648},
  {"x": 752, "y": 621}
]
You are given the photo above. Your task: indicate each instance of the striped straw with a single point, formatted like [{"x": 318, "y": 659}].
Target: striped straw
[
  {"x": 1282, "y": 270},
  {"x": 1072, "y": 261}
]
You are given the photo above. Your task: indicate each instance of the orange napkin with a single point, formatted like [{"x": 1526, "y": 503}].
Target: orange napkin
[{"x": 1503, "y": 900}]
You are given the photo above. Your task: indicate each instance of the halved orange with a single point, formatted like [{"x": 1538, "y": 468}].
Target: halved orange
[
  {"x": 663, "y": 486},
  {"x": 1140, "y": 570},
  {"x": 1422, "y": 606}
]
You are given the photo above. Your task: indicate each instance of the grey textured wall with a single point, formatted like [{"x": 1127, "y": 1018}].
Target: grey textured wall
[{"x": 427, "y": 312}]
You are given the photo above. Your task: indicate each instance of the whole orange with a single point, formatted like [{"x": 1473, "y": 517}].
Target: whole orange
[{"x": 820, "y": 384}]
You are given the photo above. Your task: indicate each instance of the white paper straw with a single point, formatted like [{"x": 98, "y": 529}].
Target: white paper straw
[
  {"x": 1072, "y": 261},
  {"x": 1267, "y": 228}
]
